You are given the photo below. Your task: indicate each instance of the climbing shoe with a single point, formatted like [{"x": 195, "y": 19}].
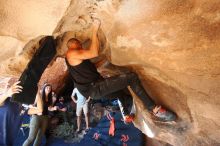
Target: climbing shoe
[
  {"x": 163, "y": 114},
  {"x": 128, "y": 118}
]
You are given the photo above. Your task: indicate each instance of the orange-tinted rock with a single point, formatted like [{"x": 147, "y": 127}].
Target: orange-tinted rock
[{"x": 55, "y": 75}]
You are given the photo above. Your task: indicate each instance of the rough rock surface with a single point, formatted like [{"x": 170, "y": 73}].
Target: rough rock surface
[{"x": 172, "y": 45}]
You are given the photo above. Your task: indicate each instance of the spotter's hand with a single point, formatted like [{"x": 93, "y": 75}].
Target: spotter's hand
[{"x": 15, "y": 88}]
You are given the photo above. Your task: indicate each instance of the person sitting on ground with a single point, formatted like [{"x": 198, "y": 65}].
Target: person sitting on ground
[
  {"x": 90, "y": 83},
  {"x": 62, "y": 108},
  {"x": 54, "y": 101},
  {"x": 81, "y": 104},
  {"x": 39, "y": 121},
  {"x": 54, "y": 98},
  {"x": 52, "y": 119}
]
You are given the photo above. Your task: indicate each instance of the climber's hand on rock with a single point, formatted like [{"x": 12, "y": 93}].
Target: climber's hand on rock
[{"x": 96, "y": 24}]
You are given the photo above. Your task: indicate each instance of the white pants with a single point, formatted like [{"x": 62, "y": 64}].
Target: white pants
[{"x": 80, "y": 107}]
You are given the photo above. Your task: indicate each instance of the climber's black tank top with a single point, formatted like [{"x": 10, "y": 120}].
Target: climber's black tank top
[{"x": 83, "y": 75}]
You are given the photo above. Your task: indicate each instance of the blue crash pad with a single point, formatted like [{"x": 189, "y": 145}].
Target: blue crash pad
[
  {"x": 10, "y": 122},
  {"x": 125, "y": 135}
]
